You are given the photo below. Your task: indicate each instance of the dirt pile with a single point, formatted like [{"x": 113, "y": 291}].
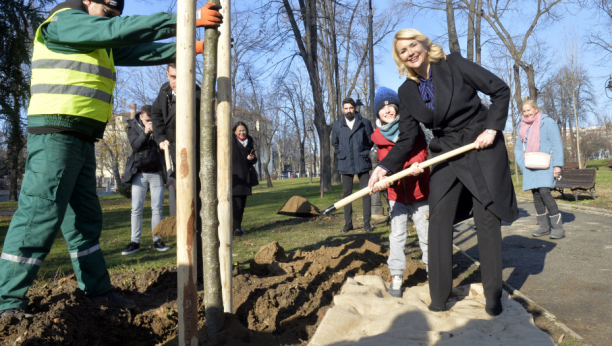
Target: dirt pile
[
  {"x": 282, "y": 308},
  {"x": 298, "y": 206},
  {"x": 166, "y": 227}
]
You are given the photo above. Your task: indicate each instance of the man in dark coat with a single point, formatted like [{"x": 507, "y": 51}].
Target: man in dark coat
[
  {"x": 163, "y": 115},
  {"x": 144, "y": 169},
  {"x": 351, "y": 139}
]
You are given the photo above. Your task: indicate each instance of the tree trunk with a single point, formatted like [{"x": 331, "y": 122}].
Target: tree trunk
[
  {"x": 302, "y": 158},
  {"x": 267, "y": 162},
  {"x": 477, "y": 31},
  {"x": 577, "y": 128},
  {"x": 533, "y": 90},
  {"x": 213, "y": 300},
  {"x": 517, "y": 87},
  {"x": 335, "y": 175},
  {"x": 453, "y": 40},
  {"x": 470, "y": 30},
  {"x": 308, "y": 52},
  {"x": 116, "y": 171}
]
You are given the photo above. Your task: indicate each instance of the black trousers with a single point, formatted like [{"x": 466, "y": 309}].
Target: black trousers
[
  {"x": 542, "y": 200},
  {"x": 347, "y": 189},
  {"x": 441, "y": 246},
  {"x": 238, "y": 203}
]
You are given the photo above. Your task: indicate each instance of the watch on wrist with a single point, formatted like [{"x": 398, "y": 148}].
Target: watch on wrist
[{"x": 491, "y": 132}]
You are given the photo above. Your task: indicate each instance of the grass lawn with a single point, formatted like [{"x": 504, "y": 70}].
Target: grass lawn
[{"x": 261, "y": 223}]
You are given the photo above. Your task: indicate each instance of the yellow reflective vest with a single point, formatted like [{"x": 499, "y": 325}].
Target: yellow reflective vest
[{"x": 71, "y": 84}]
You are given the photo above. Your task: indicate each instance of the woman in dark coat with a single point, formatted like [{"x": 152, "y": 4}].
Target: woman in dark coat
[
  {"x": 243, "y": 159},
  {"x": 441, "y": 93}
]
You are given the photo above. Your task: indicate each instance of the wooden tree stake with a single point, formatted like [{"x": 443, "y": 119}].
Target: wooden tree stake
[
  {"x": 224, "y": 153},
  {"x": 185, "y": 174}
]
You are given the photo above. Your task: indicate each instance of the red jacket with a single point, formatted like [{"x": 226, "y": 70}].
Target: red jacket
[{"x": 409, "y": 189}]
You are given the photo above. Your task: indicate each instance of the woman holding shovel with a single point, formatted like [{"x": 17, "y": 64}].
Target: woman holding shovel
[{"x": 441, "y": 92}]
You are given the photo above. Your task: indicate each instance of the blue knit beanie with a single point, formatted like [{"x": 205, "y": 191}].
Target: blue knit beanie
[{"x": 385, "y": 96}]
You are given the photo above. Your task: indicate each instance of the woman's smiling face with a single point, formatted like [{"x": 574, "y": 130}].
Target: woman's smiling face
[{"x": 412, "y": 53}]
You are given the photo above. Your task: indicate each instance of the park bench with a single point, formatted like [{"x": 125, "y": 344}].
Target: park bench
[
  {"x": 578, "y": 181},
  {"x": 610, "y": 164},
  {"x": 570, "y": 165}
]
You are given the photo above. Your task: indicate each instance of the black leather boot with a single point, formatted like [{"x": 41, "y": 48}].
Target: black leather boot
[{"x": 347, "y": 227}]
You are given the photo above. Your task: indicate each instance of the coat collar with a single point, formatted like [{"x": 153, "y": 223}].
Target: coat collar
[{"x": 443, "y": 90}]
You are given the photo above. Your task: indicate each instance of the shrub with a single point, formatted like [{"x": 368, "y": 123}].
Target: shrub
[{"x": 125, "y": 190}]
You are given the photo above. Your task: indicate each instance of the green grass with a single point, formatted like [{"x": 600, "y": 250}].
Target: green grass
[{"x": 261, "y": 223}]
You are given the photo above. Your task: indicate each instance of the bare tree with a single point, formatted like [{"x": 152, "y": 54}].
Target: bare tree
[{"x": 494, "y": 14}]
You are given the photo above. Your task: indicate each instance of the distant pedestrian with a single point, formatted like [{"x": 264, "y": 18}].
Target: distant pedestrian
[
  {"x": 540, "y": 134},
  {"x": 243, "y": 173},
  {"x": 144, "y": 168},
  {"x": 351, "y": 139},
  {"x": 409, "y": 195}
]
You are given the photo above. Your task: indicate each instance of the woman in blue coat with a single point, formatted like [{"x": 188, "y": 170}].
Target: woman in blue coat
[{"x": 539, "y": 133}]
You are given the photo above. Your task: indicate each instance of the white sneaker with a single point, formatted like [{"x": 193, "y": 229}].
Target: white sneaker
[{"x": 396, "y": 286}]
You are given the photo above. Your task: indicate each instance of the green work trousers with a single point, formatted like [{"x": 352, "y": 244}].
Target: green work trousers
[{"x": 58, "y": 191}]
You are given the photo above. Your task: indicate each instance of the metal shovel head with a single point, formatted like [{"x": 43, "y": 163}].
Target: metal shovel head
[{"x": 298, "y": 206}]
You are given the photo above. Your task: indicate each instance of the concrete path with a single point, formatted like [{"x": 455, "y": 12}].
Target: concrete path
[{"x": 571, "y": 277}]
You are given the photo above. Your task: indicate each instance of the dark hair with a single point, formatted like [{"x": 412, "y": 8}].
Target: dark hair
[
  {"x": 240, "y": 123},
  {"x": 146, "y": 109},
  {"x": 172, "y": 64},
  {"x": 348, "y": 100}
]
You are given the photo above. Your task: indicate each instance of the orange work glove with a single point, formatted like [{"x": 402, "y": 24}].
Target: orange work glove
[
  {"x": 199, "y": 47},
  {"x": 208, "y": 16}
]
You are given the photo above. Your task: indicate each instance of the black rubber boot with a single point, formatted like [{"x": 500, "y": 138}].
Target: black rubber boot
[
  {"x": 544, "y": 227},
  {"x": 557, "y": 223}
]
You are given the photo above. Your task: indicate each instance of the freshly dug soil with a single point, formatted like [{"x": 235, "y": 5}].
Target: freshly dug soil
[
  {"x": 282, "y": 308},
  {"x": 298, "y": 206},
  {"x": 165, "y": 227}
]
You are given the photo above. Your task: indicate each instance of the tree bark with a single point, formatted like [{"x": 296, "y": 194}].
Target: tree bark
[
  {"x": 453, "y": 40},
  {"x": 213, "y": 300},
  {"x": 470, "y": 30},
  {"x": 308, "y": 51},
  {"x": 477, "y": 31}
]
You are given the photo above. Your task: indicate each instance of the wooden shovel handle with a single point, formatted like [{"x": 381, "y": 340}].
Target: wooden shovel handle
[{"x": 399, "y": 175}]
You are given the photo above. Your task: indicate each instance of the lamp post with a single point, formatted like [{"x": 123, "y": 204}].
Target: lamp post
[
  {"x": 609, "y": 87},
  {"x": 358, "y": 104}
]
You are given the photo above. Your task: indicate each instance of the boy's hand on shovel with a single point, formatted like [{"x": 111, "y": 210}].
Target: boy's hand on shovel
[{"x": 170, "y": 182}]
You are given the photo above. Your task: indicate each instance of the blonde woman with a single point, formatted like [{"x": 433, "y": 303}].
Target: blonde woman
[
  {"x": 539, "y": 133},
  {"x": 441, "y": 92}
]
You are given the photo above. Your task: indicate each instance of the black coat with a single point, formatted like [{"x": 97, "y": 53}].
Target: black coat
[
  {"x": 241, "y": 167},
  {"x": 139, "y": 142},
  {"x": 353, "y": 146},
  {"x": 458, "y": 119},
  {"x": 163, "y": 115}
]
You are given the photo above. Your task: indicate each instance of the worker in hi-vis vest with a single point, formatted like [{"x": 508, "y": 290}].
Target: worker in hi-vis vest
[{"x": 73, "y": 76}]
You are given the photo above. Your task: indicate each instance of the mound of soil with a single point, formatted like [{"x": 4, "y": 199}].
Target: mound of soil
[
  {"x": 283, "y": 308},
  {"x": 166, "y": 227}
]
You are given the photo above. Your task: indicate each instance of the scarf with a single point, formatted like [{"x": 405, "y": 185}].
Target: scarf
[
  {"x": 533, "y": 141},
  {"x": 243, "y": 140},
  {"x": 390, "y": 130}
]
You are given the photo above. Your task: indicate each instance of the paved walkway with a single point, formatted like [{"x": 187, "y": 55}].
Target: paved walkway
[{"x": 571, "y": 277}]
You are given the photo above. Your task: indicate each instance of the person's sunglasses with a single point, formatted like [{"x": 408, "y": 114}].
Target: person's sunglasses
[{"x": 109, "y": 14}]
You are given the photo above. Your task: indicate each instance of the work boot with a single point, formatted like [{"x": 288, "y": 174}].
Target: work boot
[
  {"x": 347, "y": 227},
  {"x": 396, "y": 286},
  {"x": 14, "y": 313},
  {"x": 557, "y": 223},
  {"x": 115, "y": 298},
  {"x": 543, "y": 224},
  {"x": 367, "y": 227}
]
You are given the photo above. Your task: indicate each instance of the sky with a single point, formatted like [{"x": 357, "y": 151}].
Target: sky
[{"x": 579, "y": 20}]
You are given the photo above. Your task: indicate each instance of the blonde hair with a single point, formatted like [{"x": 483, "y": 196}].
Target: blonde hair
[
  {"x": 434, "y": 51},
  {"x": 530, "y": 102}
]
